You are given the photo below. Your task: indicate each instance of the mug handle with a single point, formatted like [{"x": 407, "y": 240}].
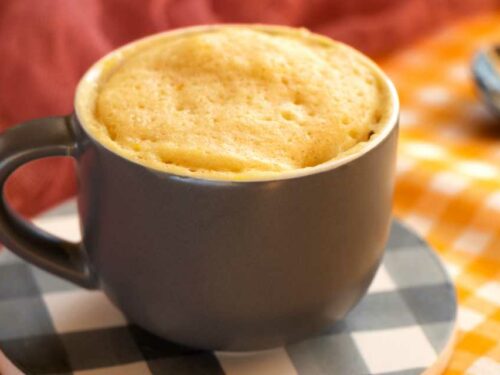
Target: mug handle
[{"x": 51, "y": 136}]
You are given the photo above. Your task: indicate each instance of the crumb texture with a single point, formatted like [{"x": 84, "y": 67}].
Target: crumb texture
[{"x": 239, "y": 100}]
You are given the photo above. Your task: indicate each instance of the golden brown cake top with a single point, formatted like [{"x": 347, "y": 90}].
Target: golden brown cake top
[{"x": 237, "y": 102}]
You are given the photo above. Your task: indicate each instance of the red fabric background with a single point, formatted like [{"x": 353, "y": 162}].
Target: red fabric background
[{"x": 45, "y": 46}]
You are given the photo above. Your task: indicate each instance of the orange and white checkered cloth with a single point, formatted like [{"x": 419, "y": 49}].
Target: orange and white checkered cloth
[{"x": 448, "y": 179}]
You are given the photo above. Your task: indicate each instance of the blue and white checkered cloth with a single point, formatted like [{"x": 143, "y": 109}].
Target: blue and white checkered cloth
[{"x": 402, "y": 326}]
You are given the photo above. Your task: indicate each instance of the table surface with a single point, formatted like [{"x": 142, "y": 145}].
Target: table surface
[
  {"x": 448, "y": 184},
  {"x": 55, "y": 327}
]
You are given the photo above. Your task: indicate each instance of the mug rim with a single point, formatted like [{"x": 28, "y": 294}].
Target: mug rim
[{"x": 388, "y": 127}]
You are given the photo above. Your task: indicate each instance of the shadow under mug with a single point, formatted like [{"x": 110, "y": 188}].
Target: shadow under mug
[{"x": 219, "y": 265}]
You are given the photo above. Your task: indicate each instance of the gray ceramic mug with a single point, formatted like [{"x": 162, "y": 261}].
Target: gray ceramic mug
[{"x": 213, "y": 264}]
